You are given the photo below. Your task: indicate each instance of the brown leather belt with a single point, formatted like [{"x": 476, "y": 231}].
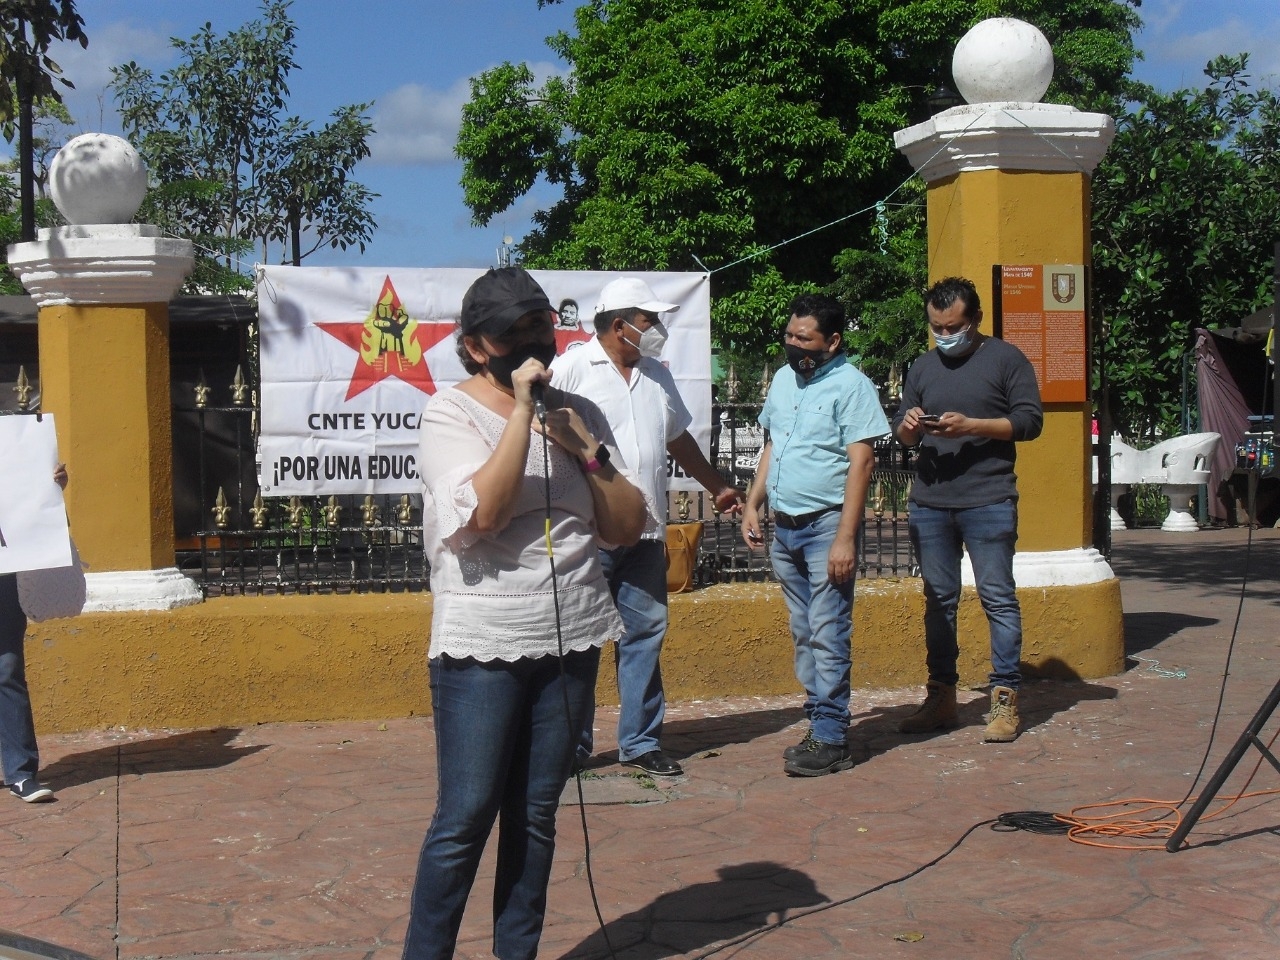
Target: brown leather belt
[{"x": 788, "y": 521}]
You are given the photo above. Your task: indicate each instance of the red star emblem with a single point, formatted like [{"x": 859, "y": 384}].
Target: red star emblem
[
  {"x": 566, "y": 337},
  {"x": 389, "y": 343}
]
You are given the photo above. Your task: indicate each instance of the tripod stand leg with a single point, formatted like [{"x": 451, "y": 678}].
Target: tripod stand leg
[{"x": 1250, "y": 736}]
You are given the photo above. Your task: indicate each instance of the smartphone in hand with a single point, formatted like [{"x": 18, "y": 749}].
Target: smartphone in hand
[{"x": 930, "y": 417}]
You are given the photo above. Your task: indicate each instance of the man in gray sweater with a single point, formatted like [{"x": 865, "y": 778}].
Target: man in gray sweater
[{"x": 967, "y": 403}]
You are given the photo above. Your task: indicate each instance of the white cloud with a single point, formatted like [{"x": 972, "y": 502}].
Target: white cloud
[
  {"x": 1179, "y": 38},
  {"x": 1159, "y": 15},
  {"x": 91, "y": 104},
  {"x": 416, "y": 125},
  {"x": 544, "y": 70},
  {"x": 1230, "y": 37}
]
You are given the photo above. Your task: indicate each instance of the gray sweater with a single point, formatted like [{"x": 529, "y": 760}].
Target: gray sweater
[{"x": 996, "y": 380}]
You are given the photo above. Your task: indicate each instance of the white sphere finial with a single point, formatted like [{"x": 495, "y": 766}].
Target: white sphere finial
[
  {"x": 97, "y": 178},
  {"x": 1002, "y": 59}
]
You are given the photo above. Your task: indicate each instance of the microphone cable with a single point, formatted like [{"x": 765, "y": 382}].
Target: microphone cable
[
  {"x": 540, "y": 409},
  {"x": 1150, "y": 834},
  {"x": 1075, "y": 828},
  {"x": 843, "y": 901},
  {"x": 1129, "y": 826}
]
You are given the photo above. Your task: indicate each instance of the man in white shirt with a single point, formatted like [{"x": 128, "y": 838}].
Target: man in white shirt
[{"x": 620, "y": 371}]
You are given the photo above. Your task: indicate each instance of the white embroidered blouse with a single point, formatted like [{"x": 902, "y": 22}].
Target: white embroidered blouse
[{"x": 492, "y": 593}]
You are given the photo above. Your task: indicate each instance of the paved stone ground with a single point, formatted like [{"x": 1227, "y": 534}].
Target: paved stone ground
[{"x": 300, "y": 840}]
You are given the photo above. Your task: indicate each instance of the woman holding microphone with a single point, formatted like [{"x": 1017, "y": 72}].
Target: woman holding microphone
[{"x": 514, "y": 649}]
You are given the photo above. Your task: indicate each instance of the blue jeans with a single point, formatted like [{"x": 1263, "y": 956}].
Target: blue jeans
[
  {"x": 821, "y": 622},
  {"x": 18, "y": 752},
  {"x": 989, "y": 534},
  {"x": 637, "y": 578},
  {"x": 504, "y": 745}
]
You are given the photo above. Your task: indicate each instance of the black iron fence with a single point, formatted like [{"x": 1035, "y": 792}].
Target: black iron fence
[
  {"x": 311, "y": 545},
  {"x": 241, "y": 542},
  {"x": 231, "y": 540}
]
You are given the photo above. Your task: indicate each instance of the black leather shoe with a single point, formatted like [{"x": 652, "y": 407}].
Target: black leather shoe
[
  {"x": 819, "y": 759},
  {"x": 656, "y": 764},
  {"x": 795, "y": 750}
]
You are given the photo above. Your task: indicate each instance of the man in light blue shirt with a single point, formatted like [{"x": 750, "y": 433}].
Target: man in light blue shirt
[{"x": 822, "y": 417}]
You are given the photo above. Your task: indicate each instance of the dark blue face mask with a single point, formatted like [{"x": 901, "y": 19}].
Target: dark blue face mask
[{"x": 503, "y": 367}]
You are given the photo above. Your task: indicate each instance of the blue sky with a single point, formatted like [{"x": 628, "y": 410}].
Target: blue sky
[{"x": 413, "y": 58}]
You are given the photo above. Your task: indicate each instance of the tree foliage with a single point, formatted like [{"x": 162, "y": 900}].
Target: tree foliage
[
  {"x": 715, "y": 132},
  {"x": 27, "y": 76},
  {"x": 229, "y": 169},
  {"x": 49, "y": 117},
  {"x": 1186, "y": 215},
  {"x": 11, "y": 227},
  {"x": 885, "y": 284},
  {"x": 27, "y": 28}
]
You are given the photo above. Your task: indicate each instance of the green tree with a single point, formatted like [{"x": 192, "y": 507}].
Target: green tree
[
  {"x": 28, "y": 75},
  {"x": 714, "y": 132},
  {"x": 46, "y": 215},
  {"x": 883, "y": 288},
  {"x": 1186, "y": 212},
  {"x": 229, "y": 169},
  {"x": 50, "y": 123},
  {"x": 306, "y": 177},
  {"x": 49, "y": 117}
]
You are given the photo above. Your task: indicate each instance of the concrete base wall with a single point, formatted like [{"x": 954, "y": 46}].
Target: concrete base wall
[{"x": 239, "y": 660}]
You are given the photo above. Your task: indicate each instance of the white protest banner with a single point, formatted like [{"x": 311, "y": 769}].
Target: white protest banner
[
  {"x": 33, "y": 518},
  {"x": 350, "y": 356}
]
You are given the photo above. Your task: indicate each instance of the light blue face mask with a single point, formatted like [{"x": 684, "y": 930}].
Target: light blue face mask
[{"x": 954, "y": 344}]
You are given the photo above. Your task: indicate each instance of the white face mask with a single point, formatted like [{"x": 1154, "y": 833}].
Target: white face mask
[
  {"x": 954, "y": 344},
  {"x": 652, "y": 340}
]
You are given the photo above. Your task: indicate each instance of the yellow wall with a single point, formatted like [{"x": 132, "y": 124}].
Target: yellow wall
[
  {"x": 237, "y": 660},
  {"x": 981, "y": 218},
  {"x": 104, "y": 375}
]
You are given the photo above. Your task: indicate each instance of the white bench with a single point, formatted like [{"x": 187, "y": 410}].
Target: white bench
[{"x": 1179, "y": 465}]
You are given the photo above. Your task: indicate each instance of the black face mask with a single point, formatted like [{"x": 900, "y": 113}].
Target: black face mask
[
  {"x": 503, "y": 367},
  {"x": 805, "y": 362}
]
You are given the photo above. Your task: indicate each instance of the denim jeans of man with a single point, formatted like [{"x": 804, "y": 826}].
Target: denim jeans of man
[
  {"x": 18, "y": 752},
  {"x": 990, "y": 534},
  {"x": 504, "y": 747},
  {"x": 637, "y": 578},
  {"x": 821, "y": 620}
]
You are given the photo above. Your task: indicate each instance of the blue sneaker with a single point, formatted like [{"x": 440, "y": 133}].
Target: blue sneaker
[{"x": 31, "y": 790}]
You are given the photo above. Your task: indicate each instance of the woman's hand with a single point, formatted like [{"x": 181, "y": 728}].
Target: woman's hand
[
  {"x": 523, "y": 379},
  {"x": 566, "y": 428}
]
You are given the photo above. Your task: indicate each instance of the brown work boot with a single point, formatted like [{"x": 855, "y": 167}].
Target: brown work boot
[
  {"x": 1002, "y": 722},
  {"x": 938, "y": 712}
]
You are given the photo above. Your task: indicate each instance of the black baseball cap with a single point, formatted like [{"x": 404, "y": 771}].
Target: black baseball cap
[{"x": 498, "y": 299}]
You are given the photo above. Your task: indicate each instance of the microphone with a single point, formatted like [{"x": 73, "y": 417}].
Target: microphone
[{"x": 538, "y": 392}]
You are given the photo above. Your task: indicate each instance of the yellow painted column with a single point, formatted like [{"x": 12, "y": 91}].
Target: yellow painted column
[
  {"x": 1008, "y": 184},
  {"x": 104, "y": 374}
]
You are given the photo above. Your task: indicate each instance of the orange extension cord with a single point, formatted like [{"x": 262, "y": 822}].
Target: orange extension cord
[{"x": 1130, "y": 825}]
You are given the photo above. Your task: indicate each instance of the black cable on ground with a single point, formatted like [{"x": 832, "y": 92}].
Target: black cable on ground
[
  {"x": 574, "y": 735},
  {"x": 1032, "y": 821},
  {"x": 769, "y": 928}
]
